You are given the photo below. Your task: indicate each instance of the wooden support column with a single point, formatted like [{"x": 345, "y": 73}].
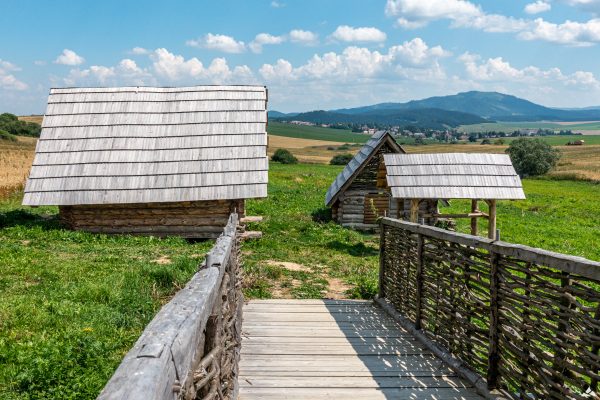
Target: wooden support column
[
  {"x": 414, "y": 210},
  {"x": 492, "y": 219},
  {"x": 474, "y": 219},
  {"x": 493, "y": 371}
]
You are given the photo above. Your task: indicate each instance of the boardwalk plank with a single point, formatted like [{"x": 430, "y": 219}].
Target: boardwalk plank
[{"x": 330, "y": 349}]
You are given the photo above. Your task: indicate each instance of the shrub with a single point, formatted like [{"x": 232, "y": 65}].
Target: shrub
[
  {"x": 486, "y": 141},
  {"x": 532, "y": 157},
  {"x": 499, "y": 142},
  {"x": 284, "y": 156},
  {"x": 7, "y": 136},
  {"x": 11, "y": 124},
  {"x": 345, "y": 146},
  {"x": 341, "y": 159}
]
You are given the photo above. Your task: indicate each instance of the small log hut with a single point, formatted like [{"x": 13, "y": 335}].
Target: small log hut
[
  {"x": 359, "y": 195},
  {"x": 149, "y": 160},
  {"x": 425, "y": 177}
]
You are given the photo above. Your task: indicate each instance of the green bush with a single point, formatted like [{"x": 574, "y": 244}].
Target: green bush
[
  {"x": 7, "y": 136},
  {"x": 486, "y": 141},
  {"x": 284, "y": 156},
  {"x": 532, "y": 157},
  {"x": 11, "y": 124},
  {"x": 341, "y": 159}
]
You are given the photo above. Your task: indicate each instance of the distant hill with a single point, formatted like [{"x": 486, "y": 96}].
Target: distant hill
[
  {"x": 424, "y": 118},
  {"x": 277, "y": 114},
  {"x": 489, "y": 105}
]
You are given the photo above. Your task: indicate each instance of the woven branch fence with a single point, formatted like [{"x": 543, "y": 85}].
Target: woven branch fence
[
  {"x": 526, "y": 320},
  {"x": 190, "y": 350}
]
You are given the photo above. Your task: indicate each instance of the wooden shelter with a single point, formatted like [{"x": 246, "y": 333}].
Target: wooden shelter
[
  {"x": 359, "y": 194},
  {"x": 149, "y": 160},
  {"x": 420, "y": 177}
]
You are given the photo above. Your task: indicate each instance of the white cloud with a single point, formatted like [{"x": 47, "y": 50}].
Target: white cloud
[
  {"x": 172, "y": 67},
  {"x": 499, "y": 70},
  {"x": 69, "y": 57},
  {"x": 39, "y": 63},
  {"x": 277, "y": 4},
  {"x": 126, "y": 72},
  {"x": 300, "y": 36},
  {"x": 139, "y": 51},
  {"x": 223, "y": 43},
  {"x": 568, "y": 33},
  {"x": 537, "y": 7},
  {"x": 345, "y": 33},
  {"x": 7, "y": 79},
  {"x": 411, "y": 14},
  {"x": 417, "y": 52},
  {"x": 262, "y": 39},
  {"x": 361, "y": 63}
]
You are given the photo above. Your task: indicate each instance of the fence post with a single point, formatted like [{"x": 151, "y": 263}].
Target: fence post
[
  {"x": 493, "y": 354},
  {"x": 382, "y": 259},
  {"x": 419, "y": 284}
]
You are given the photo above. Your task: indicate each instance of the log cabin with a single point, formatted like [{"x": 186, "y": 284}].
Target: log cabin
[
  {"x": 150, "y": 160},
  {"x": 415, "y": 179},
  {"x": 359, "y": 195}
]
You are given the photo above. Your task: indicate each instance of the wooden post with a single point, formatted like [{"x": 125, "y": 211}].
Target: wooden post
[
  {"x": 419, "y": 283},
  {"x": 381, "y": 260},
  {"x": 474, "y": 219},
  {"x": 414, "y": 210},
  {"x": 493, "y": 371},
  {"x": 492, "y": 219}
]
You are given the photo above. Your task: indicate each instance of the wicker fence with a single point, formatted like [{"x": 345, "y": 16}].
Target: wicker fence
[
  {"x": 524, "y": 319},
  {"x": 190, "y": 350}
]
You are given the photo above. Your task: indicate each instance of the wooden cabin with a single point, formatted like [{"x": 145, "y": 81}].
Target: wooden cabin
[
  {"x": 150, "y": 160},
  {"x": 359, "y": 194},
  {"x": 415, "y": 179}
]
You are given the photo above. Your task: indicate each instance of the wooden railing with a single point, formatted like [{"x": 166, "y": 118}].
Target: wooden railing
[
  {"x": 190, "y": 350},
  {"x": 524, "y": 319}
]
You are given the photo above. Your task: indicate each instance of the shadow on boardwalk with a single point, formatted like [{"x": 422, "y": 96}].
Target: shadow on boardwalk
[{"x": 336, "y": 349}]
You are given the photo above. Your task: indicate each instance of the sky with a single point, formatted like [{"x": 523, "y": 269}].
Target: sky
[{"x": 311, "y": 54}]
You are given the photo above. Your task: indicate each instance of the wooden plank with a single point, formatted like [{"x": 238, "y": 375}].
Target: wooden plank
[
  {"x": 306, "y": 362},
  {"x": 353, "y": 382},
  {"x": 250, "y": 393},
  {"x": 318, "y": 350}
]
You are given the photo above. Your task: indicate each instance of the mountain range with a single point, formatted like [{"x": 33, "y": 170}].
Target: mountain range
[{"x": 446, "y": 111}]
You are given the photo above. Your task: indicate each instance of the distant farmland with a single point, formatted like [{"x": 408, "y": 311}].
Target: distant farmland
[
  {"x": 583, "y": 127},
  {"x": 315, "y": 133}
]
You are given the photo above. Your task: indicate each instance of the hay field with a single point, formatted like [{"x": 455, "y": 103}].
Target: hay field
[
  {"x": 15, "y": 161},
  {"x": 32, "y": 118}
]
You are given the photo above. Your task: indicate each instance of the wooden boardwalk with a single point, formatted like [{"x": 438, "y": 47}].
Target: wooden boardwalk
[{"x": 337, "y": 349}]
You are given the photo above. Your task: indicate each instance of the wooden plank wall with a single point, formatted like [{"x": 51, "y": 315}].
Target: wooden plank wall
[{"x": 193, "y": 219}]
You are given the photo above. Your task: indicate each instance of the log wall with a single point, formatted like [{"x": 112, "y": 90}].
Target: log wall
[
  {"x": 351, "y": 210},
  {"x": 193, "y": 219}
]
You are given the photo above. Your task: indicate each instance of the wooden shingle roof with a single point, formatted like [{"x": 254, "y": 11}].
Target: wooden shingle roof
[
  {"x": 148, "y": 144},
  {"x": 452, "y": 176},
  {"x": 355, "y": 165}
]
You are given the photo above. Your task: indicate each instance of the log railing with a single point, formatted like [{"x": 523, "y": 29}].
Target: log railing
[
  {"x": 524, "y": 320},
  {"x": 190, "y": 350}
]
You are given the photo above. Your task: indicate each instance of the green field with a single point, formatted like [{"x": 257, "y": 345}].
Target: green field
[
  {"x": 562, "y": 140},
  {"x": 315, "y": 133},
  {"x": 513, "y": 126},
  {"x": 72, "y": 304}
]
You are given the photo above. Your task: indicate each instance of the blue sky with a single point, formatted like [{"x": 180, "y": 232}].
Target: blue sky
[{"x": 310, "y": 54}]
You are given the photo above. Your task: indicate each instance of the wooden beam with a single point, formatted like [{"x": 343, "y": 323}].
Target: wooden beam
[
  {"x": 474, "y": 219},
  {"x": 492, "y": 219},
  {"x": 465, "y": 215},
  {"x": 414, "y": 210}
]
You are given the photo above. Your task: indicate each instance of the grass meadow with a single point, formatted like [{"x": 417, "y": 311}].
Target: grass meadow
[
  {"x": 73, "y": 303},
  {"x": 586, "y": 127}
]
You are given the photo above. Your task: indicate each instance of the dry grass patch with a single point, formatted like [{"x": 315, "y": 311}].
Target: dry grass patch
[
  {"x": 15, "y": 160},
  {"x": 32, "y": 118}
]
